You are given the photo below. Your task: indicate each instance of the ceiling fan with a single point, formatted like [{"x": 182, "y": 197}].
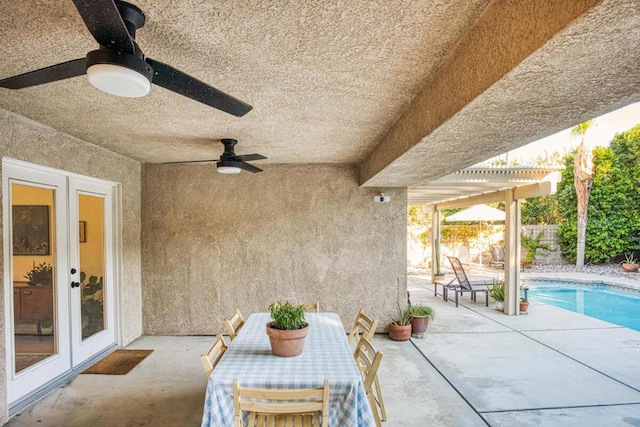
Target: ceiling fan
[
  {"x": 119, "y": 66},
  {"x": 229, "y": 161}
]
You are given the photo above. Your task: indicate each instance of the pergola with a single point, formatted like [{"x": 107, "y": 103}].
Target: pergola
[{"x": 486, "y": 185}]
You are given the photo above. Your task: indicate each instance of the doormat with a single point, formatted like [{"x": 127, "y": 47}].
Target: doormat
[{"x": 120, "y": 362}]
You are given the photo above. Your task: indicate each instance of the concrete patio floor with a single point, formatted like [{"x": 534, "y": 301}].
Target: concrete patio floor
[{"x": 475, "y": 367}]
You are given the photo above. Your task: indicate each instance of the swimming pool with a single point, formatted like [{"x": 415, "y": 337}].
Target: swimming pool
[{"x": 612, "y": 304}]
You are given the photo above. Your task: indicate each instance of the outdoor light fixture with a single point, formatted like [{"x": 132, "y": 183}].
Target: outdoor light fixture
[{"x": 119, "y": 73}]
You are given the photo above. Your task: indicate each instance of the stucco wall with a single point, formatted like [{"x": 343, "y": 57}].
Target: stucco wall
[
  {"x": 23, "y": 139},
  {"x": 214, "y": 242}
]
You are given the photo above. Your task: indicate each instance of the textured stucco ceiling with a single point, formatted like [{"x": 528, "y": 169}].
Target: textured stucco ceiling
[
  {"x": 326, "y": 79},
  {"x": 340, "y": 81}
]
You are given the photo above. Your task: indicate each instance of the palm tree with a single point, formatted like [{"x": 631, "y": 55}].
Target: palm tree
[{"x": 582, "y": 179}]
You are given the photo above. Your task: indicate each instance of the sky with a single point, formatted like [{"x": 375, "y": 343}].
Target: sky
[{"x": 599, "y": 134}]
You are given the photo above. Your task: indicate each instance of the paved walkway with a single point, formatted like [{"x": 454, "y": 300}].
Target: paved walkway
[{"x": 551, "y": 367}]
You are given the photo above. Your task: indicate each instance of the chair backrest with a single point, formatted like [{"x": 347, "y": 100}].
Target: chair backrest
[
  {"x": 368, "y": 360},
  {"x": 312, "y": 307},
  {"x": 234, "y": 324},
  {"x": 364, "y": 326},
  {"x": 210, "y": 360},
  {"x": 278, "y": 407},
  {"x": 497, "y": 253},
  {"x": 461, "y": 276},
  {"x": 462, "y": 253}
]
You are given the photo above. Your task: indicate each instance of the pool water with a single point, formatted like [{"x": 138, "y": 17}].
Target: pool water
[{"x": 603, "y": 302}]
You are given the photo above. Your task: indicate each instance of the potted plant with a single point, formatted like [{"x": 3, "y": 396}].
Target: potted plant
[
  {"x": 288, "y": 329},
  {"x": 532, "y": 246},
  {"x": 420, "y": 316},
  {"x": 45, "y": 326},
  {"x": 41, "y": 275},
  {"x": 630, "y": 263},
  {"x": 524, "y": 304},
  {"x": 400, "y": 326},
  {"x": 496, "y": 291}
]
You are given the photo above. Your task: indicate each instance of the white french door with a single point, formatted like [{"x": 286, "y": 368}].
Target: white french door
[
  {"x": 59, "y": 273},
  {"x": 91, "y": 268},
  {"x": 36, "y": 217}
]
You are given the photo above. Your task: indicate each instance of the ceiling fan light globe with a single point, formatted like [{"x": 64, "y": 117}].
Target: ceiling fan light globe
[
  {"x": 228, "y": 169},
  {"x": 117, "y": 80}
]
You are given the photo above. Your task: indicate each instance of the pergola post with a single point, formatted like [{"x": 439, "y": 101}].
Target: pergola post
[
  {"x": 512, "y": 254},
  {"x": 435, "y": 240}
]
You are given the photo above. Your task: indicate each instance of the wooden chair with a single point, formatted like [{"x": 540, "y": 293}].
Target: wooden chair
[
  {"x": 364, "y": 326},
  {"x": 368, "y": 359},
  {"x": 312, "y": 307},
  {"x": 277, "y": 407},
  {"x": 234, "y": 324},
  {"x": 210, "y": 360}
]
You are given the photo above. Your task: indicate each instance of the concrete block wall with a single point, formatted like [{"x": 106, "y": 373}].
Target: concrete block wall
[{"x": 550, "y": 236}]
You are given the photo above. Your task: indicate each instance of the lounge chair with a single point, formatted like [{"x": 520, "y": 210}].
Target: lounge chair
[
  {"x": 462, "y": 253},
  {"x": 464, "y": 284},
  {"x": 497, "y": 256}
]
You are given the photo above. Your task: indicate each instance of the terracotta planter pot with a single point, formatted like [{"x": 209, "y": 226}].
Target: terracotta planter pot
[
  {"x": 524, "y": 306},
  {"x": 629, "y": 268},
  {"x": 287, "y": 343},
  {"x": 526, "y": 264},
  {"x": 399, "y": 333},
  {"x": 419, "y": 324}
]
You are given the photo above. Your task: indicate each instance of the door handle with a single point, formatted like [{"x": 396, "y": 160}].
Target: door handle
[{"x": 75, "y": 285}]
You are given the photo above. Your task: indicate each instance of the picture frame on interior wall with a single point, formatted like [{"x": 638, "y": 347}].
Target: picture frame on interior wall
[
  {"x": 82, "y": 232},
  {"x": 30, "y": 224}
]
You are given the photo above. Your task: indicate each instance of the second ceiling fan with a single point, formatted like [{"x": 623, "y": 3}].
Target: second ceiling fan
[{"x": 230, "y": 162}]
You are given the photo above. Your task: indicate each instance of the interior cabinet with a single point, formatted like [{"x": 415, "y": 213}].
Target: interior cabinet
[{"x": 32, "y": 303}]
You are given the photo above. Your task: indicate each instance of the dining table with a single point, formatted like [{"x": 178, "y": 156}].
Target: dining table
[{"x": 326, "y": 355}]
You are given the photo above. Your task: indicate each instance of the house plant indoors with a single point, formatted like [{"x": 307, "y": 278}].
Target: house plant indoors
[
  {"x": 40, "y": 275},
  {"x": 496, "y": 291},
  {"x": 420, "y": 316},
  {"x": 630, "y": 264},
  {"x": 400, "y": 326},
  {"x": 288, "y": 329}
]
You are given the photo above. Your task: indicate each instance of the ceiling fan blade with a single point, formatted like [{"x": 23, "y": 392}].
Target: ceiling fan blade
[
  {"x": 176, "y": 81},
  {"x": 190, "y": 161},
  {"x": 251, "y": 157},
  {"x": 105, "y": 24},
  {"x": 62, "y": 71},
  {"x": 249, "y": 168}
]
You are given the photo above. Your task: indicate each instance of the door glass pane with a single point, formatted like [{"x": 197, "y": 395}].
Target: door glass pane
[
  {"x": 92, "y": 263},
  {"x": 33, "y": 265}
]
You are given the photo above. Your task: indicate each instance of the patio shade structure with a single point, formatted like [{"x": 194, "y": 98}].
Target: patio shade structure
[
  {"x": 478, "y": 213},
  {"x": 480, "y": 185}
]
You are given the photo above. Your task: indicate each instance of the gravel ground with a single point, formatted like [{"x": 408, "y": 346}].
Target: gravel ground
[{"x": 607, "y": 270}]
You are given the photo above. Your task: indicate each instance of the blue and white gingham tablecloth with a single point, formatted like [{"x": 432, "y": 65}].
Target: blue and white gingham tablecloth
[{"x": 326, "y": 355}]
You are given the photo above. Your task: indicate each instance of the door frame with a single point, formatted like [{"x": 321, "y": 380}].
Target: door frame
[{"x": 21, "y": 402}]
